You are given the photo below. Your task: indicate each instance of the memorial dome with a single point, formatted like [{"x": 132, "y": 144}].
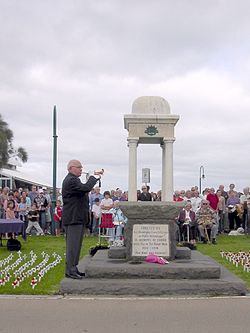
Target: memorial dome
[{"x": 150, "y": 105}]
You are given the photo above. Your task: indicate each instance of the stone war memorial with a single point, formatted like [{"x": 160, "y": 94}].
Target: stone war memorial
[{"x": 151, "y": 229}]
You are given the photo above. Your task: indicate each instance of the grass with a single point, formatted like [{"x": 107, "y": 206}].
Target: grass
[
  {"x": 50, "y": 282},
  {"x": 228, "y": 243}
]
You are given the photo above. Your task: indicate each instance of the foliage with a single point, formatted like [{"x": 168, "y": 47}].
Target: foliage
[
  {"x": 6, "y": 136},
  {"x": 22, "y": 154},
  {"x": 6, "y": 148}
]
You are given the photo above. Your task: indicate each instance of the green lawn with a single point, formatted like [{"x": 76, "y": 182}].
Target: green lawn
[
  {"x": 50, "y": 244},
  {"x": 49, "y": 284},
  {"x": 228, "y": 243}
]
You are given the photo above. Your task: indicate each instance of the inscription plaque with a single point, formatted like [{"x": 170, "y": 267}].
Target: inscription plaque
[{"x": 150, "y": 239}]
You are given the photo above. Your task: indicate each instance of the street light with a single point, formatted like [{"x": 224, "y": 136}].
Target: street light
[{"x": 202, "y": 175}]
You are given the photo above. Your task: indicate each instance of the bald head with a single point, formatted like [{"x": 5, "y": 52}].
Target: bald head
[{"x": 75, "y": 167}]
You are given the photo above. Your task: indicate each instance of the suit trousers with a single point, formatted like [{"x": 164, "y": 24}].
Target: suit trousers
[{"x": 74, "y": 238}]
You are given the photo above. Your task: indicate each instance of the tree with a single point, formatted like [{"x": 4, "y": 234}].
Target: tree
[
  {"x": 6, "y": 136},
  {"x": 6, "y": 147},
  {"x": 21, "y": 152}
]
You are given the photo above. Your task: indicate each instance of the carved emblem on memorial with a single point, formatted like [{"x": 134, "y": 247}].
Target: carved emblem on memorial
[{"x": 151, "y": 130}]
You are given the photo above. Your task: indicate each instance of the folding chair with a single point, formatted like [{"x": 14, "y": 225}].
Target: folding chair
[{"x": 105, "y": 225}]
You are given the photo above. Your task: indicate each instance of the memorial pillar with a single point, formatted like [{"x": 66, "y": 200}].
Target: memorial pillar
[
  {"x": 167, "y": 169},
  {"x": 132, "y": 177}
]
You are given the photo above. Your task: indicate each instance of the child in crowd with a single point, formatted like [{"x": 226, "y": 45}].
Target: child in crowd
[
  {"x": 106, "y": 207},
  {"x": 22, "y": 209},
  {"x": 58, "y": 217},
  {"x": 10, "y": 215},
  {"x": 33, "y": 218},
  {"x": 119, "y": 221},
  {"x": 10, "y": 210},
  {"x": 96, "y": 209}
]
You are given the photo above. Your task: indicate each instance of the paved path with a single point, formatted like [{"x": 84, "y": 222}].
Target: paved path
[{"x": 120, "y": 315}]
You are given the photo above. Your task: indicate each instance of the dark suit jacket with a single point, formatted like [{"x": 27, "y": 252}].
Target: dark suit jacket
[
  {"x": 75, "y": 196},
  {"x": 143, "y": 197}
]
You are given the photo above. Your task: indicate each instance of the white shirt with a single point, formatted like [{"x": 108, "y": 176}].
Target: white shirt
[{"x": 97, "y": 210}]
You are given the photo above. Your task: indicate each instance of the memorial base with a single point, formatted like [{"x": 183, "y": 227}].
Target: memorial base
[{"x": 197, "y": 276}]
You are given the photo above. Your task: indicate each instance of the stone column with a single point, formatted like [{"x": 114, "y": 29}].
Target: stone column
[
  {"x": 132, "y": 177},
  {"x": 167, "y": 169}
]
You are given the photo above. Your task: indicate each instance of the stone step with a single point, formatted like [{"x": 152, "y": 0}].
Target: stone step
[
  {"x": 155, "y": 287},
  {"x": 227, "y": 284},
  {"x": 101, "y": 266}
]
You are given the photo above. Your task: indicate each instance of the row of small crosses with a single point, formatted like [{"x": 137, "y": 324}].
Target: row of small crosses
[
  {"x": 23, "y": 272},
  {"x": 238, "y": 258}
]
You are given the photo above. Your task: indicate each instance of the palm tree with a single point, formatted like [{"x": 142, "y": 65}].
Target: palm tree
[{"x": 6, "y": 136}]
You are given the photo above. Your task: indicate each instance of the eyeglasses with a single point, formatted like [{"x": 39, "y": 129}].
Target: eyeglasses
[
  {"x": 78, "y": 167},
  {"x": 205, "y": 204}
]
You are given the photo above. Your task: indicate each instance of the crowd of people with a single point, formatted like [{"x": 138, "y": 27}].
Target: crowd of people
[
  {"x": 31, "y": 206},
  {"x": 215, "y": 211}
]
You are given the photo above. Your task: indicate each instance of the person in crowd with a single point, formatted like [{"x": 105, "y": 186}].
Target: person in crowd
[
  {"x": 106, "y": 206},
  {"x": 213, "y": 199},
  {"x": 177, "y": 196},
  {"x": 41, "y": 202},
  {"x": 207, "y": 222},
  {"x": 58, "y": 217},
  {"x": 119, "y": 221},
  {"x": 112, "y": 194},
  {"x": 193, "y": 189},
  {"x": 96, "y": 210},
  {"x": 232, "y": 190},
  {"x": 75, "y": 214},
  {"x": 188, "y": 195},
  {"x": 33, "y": 221},
  {"x": 223, "y": 192},
  {"x": 47, "y": 211},
  {"x": 106, "y": 203},
  {"x": 196, "y": 201},
  {"x": 158, "y": 195},
  {"x": 154, "y": 196},
  {"x": 16, "y": 195},
  {"x": 10, "y": 210},
  {"x": 182, "y": 194},
  {"x": 23, "y": 209},
  {"x": 125, "y": 196},
  {"x": 95, "y": 193},
  {"x": 118, "y": 195},
  {"x": 244, "y": 199},
  {"x": 205, "y": 193},
  {"x": 26, "y": 199},
  {"x": 5, "y": 193},
  {"x": 233, "y": 207},
  {"x": 5, "y": 204},
  {"x": 144, "y": 195},
  {"x": 187, "y": 223},
  {"x": 33, "y": 193},
  {"x": 221, "y": 211}
]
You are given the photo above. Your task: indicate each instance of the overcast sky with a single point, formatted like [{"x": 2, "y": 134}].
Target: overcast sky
[{"x": 93, "y": 58}]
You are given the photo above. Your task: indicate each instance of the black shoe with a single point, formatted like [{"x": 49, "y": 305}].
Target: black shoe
[
  {"x": 80, "y": 273},
  {"x": 214, "y": 241},
  {"x": 74, "y": 276}
]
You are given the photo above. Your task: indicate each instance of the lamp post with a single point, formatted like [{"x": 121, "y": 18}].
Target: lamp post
[
  {"x": 53, "y": 201},
  {"x": 202, "y": 175}
]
